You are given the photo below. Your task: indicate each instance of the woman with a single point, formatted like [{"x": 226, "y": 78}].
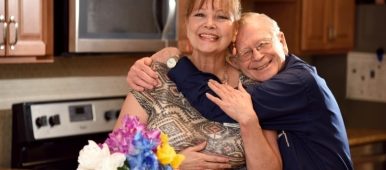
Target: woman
[{"x": 211, "y": 27}]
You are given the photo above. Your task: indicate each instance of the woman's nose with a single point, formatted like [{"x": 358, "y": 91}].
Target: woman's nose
[{"x": 210, "y": 23}]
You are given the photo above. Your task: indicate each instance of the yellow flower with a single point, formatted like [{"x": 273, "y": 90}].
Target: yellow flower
[{"x": 167, "y": 155}]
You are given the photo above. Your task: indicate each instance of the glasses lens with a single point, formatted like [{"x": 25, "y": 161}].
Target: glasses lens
[
  {"x": 245, "y": 55},
  {"x": 262, "y": 46}
]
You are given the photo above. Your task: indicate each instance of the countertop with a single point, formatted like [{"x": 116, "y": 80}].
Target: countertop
[
  {"x": 365, "y": 136},
  {"x": 356, "y": 137}
]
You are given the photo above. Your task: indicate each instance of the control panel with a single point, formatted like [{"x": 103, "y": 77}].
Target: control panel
[{"x": 70, "y": 118}]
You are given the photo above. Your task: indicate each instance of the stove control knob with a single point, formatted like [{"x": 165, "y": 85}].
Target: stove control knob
[
  {"x": 109, "y": 115},
  {"x": 41, "y": 121},
  {"x": 54, "y": 120},
  {"x": 117, "y": 114}
]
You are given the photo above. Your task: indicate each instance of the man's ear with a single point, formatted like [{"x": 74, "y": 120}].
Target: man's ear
[
  {"x": 283, "y": 42},
  {"x": 232, "y": 60}
]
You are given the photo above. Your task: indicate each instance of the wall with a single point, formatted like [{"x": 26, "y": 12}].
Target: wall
[
  {"x": 357, "y": 114},
  {"x": 66, "y": 78}
]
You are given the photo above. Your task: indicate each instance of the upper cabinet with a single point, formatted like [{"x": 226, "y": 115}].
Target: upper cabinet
[
  {"x": 327, "y": 25},
  {"x": 26, "y": 31}
]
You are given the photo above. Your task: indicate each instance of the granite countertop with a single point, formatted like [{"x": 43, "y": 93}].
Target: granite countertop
[{"x": 365, "y": 136}]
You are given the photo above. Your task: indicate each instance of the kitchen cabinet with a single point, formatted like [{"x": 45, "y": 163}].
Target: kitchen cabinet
[
  {"x": 311, "y": 26},
  {"x": 183, "y": 42},
  {"x": 26, "y": 31},
  {"x": 328, "y": 25}
]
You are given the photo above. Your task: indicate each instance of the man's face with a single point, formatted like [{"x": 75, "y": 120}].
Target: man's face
[{"x": 261, "y": 53}]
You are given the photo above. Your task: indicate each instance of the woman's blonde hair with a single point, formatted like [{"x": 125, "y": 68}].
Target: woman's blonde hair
[{"x": 233, "y": 6}]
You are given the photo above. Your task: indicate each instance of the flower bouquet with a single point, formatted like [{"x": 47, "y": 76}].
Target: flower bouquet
[{"x": 133, "y": 147}]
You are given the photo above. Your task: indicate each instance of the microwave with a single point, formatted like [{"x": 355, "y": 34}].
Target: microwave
[{"x": 109, "y": 26}]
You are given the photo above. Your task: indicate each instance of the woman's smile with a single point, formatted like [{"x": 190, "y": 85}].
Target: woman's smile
[{"x": 209, "y": 36}]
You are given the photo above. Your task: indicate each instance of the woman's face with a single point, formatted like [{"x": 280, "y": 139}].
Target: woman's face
[{"x": 211, "y": 28}]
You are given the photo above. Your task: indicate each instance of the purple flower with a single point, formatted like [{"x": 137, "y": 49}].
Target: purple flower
[{"x": 136, "y": 142}]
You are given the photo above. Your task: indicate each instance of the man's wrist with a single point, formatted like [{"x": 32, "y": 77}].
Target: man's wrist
[{"x": 171, "y": 62}]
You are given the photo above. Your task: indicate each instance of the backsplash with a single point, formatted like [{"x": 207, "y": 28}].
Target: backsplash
[
  {"x": 66, "y": 78},
  {"x": 5, "y": 138}
]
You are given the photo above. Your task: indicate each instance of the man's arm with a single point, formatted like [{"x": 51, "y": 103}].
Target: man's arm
[
  {"x": 190, "y": 81},
  {"x": 261, "y": 148}
]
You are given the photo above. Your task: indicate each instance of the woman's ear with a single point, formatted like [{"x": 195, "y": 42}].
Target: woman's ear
[{"x": 232, "y": 60}]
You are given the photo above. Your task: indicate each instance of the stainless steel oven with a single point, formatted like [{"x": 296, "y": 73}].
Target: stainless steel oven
[
  {"x": 48, "y": 135},
  {"x": 115, "y": 25}
]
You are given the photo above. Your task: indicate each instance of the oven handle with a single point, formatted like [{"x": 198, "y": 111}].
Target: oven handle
[{"x": 169, "y": 21}]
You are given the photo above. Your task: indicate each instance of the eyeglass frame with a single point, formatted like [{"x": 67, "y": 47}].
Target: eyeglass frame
[{"x": 262, "y": 46}]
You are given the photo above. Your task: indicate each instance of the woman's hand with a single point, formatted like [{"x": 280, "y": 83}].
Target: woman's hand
[
  {"x": 235, "y": 103},
  {"x": 194, "y": 159}
]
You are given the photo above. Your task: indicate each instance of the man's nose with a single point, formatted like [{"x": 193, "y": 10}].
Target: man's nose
[{"x": 257, "y": 55}]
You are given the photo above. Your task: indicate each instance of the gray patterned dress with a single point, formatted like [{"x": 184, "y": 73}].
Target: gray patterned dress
[{"x": 171, "y": 113}]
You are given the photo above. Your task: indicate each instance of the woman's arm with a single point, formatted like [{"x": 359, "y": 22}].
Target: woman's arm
[
  {"x": 260, "y": 145},
  {"x": 131, "y": 107}
]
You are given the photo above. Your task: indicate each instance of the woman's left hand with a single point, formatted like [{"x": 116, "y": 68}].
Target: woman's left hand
[
  {"x": 195, "y": 160},
  {"x": 236, "y": 103}
]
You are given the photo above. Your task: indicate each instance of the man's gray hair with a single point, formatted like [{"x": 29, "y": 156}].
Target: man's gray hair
[{"x": 249, "y": 15}]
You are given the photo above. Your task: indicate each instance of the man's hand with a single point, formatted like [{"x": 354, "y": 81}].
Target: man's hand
[
  {"x": 141, "y": 76},
  {"x": 163, "y": 55},
  {"x": 236, "y": 103},
  {"x": 194, "y": 160}
]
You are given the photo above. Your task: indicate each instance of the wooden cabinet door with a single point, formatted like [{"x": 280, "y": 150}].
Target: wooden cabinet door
[
  {"x": 314, "y": 25},
  {"x": 30, "y": 33},
  {"x": 2, "y": 29},
  {"x": 327, "y": 25},
  {"x": 342, "y": 18}
]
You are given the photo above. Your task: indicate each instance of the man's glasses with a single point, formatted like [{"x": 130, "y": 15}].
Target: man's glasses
[{"x": 262, "y": 46}]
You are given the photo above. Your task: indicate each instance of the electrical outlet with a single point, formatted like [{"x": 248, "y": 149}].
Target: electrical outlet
[{"x": 366, "y": 77}]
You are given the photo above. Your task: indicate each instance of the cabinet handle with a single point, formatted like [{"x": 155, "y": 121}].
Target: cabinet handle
[
  {"x": 12, "y": 20},
  {"x": 331, "y": 33},
  {"x": 4, "y": 39}
]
